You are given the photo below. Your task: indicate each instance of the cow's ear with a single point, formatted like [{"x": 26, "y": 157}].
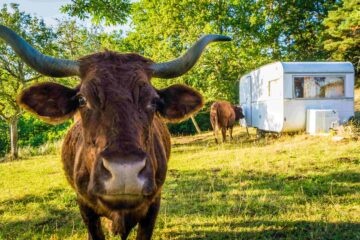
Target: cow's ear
[
  {"x": 178, "y": 102},
  {"x": 52, "y": 102}
]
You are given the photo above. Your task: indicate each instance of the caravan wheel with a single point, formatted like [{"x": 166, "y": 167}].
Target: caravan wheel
[{"x": 260, "y": 133}]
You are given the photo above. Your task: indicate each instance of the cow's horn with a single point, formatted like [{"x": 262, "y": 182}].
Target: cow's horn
[
  {"x": 184, "y": 63},
  {"x": 46, "y": 65}
]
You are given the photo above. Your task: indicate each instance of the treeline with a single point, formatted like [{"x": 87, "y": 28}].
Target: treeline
[{"x": 263, "y": 31}]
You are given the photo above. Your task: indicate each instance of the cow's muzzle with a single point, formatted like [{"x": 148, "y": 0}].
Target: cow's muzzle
[{"x": 123, "y": 180}]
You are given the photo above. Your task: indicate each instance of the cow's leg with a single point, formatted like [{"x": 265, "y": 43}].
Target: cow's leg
[
  {"x": 216, "y": 128},
  {"x": 231, "y": 130},
  {"x": 223, "y": 131},
  {"x": 128, "y": 223},
  {"x": 146, "y": 225},
  {"x": 92, "y": 222}
]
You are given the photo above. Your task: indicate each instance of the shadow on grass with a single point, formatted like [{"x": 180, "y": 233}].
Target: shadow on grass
[
  {"x": 214, "y": 193},
  {"x": 217, "y": 180},
  {"x": 54, "y": 212},
  {"x": 206, "y": 193},
  {"x": 277, "y": 230}
]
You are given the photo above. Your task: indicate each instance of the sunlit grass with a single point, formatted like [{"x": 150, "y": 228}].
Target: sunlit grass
[{"x": 292, "y": 187}]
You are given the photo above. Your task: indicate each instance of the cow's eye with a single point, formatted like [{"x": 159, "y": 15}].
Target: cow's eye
[
  {"x": 156, "y": 103},
  {"x": 82, "y": 101}
]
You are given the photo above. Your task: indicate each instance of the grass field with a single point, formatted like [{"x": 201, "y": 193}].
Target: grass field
[{"x": 292, "y": 187}]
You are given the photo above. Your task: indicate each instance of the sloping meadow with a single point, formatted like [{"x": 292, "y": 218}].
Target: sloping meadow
[{"x": 288, "y": 187}]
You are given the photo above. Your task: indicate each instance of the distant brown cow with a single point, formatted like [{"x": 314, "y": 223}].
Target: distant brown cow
[
  {"x": 115, "y": 156},
  {"x": 224, "y": 115}
]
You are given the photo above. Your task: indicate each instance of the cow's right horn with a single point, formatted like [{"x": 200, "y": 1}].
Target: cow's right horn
[
  {"x": 181, "y": 65},
  {"x": 46, "y": 65}
]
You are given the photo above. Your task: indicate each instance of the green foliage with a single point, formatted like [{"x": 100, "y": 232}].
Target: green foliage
[
  {"x": 14, "y": 74},
  {"x": 262, "y": 32},
  {"x": 34, "y": 132},
  {"x": 343, "y": 33},
  {"x": 112, "y": 12},
  {"x": 74, "y": 41},
  {"x": 164, "y": 30},
  {"x": 4, "y": 138},
  {"x": 67, "y": 40},
  {"x": 35, "y": 136}
]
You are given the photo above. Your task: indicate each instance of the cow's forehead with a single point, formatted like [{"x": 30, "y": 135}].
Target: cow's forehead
[
  {"x": 109, "y": 61},
  {"x": 108, "y": 72}
]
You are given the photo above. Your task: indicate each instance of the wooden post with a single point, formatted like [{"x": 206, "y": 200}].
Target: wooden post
[
  {"x": 247, "y": 130},
  {"x": 198, "y": 130}
]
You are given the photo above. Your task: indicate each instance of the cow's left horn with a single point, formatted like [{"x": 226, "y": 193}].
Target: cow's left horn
[
  {"x": 181, "y": 65},
  {"x": 46, "y": 65}
]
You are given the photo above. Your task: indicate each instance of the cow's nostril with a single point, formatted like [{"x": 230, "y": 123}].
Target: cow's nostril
[
  {"x": 105, "y": 168},
  {"x": 105, "y": 164},
  {"x": 149, "y": 188}
]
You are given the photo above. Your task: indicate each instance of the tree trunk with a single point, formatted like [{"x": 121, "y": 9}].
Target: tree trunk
[
  {"x": 14, "y": 138},
  {"x": 198, "y": 130}
]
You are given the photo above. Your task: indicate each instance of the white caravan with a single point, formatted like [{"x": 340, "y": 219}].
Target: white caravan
[{"x": 276, "y": 96}]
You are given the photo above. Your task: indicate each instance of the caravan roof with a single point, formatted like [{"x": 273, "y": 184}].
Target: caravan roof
[{"x": 317, "y": 67}]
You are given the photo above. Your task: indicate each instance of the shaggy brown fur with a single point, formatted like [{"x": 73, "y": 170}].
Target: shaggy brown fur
[
  {"x": 224, "y": 115},
  {"x": 122, "y": 116}
]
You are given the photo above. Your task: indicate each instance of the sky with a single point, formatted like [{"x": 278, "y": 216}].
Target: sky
[{"x": 49, "y": 10}]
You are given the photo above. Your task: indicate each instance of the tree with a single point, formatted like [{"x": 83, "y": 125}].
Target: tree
[
  {"x": 166, "y": 29},
  {"x": 4, "y": 138},
  {"x": 292, "y": 30},
  {"x": 343, "y": 33},
  {"x": 262, "y": 31},
  {"x": 111, "y": 12},
  {"x": 72, "y": 41},
  {"x": 14, "y": 74}
]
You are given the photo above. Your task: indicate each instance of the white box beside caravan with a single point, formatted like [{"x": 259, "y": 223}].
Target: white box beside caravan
[
  {"x": 320, "y": 121},
  {"x": 276, "y": 96}
]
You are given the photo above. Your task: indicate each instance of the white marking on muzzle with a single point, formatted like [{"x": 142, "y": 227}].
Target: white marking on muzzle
[{"x": 124, "y": 179}]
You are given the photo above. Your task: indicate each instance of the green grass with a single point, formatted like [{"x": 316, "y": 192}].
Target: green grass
[{"x": 292, "y": 187}]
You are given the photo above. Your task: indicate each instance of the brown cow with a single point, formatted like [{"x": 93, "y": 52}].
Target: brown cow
[
  {"x": 224, "y": 115},
  {"x": 115, "y": 156}
]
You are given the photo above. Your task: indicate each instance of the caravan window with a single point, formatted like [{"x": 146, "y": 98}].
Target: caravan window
[
  {"x": 273, "y": 88},
  {"x": 318, "y": 86}
]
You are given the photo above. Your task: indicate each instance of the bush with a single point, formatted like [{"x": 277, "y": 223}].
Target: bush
[{"x": 34, "y": 132}]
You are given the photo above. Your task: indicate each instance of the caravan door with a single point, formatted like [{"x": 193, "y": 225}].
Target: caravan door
[{"x": 245, "y": 98}]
